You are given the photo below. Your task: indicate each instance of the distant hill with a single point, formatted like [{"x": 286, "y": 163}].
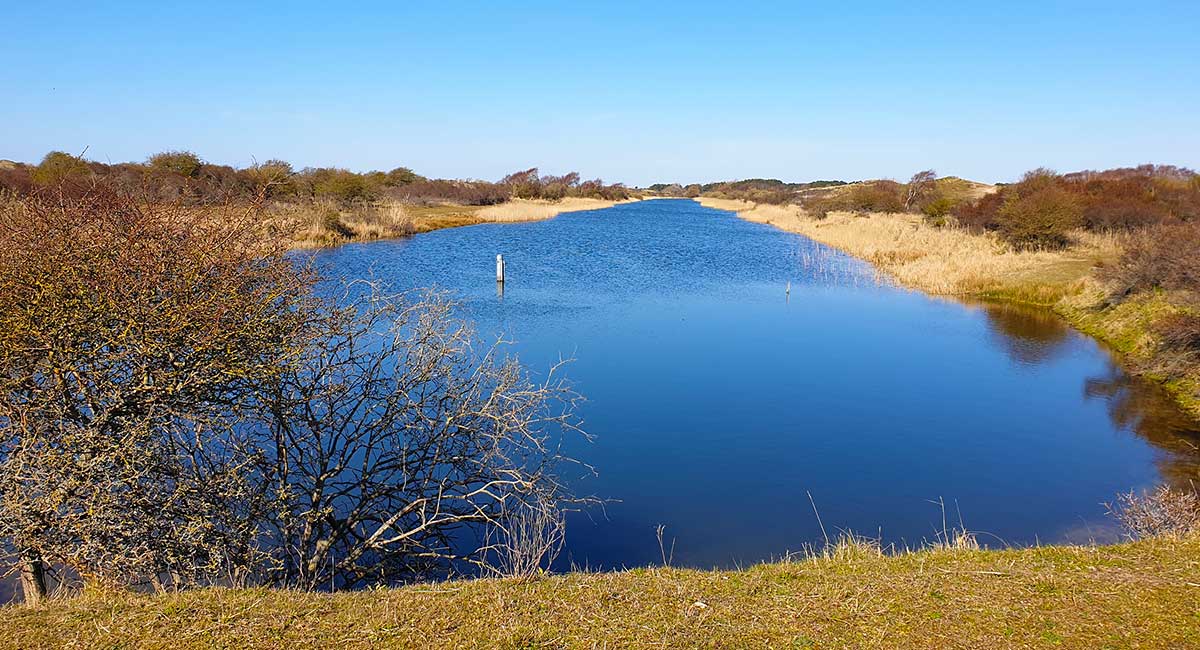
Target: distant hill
[{"x": 957, "y": 188}]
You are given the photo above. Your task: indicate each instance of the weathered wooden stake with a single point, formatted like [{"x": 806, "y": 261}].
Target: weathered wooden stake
[{"x": 500, "y": 269}]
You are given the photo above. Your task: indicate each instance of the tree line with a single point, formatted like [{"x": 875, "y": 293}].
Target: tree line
[{"x": 174, "y": 176}]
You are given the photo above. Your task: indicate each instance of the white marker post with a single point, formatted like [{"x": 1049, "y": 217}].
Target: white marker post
[{"x": 500, "y": 269}]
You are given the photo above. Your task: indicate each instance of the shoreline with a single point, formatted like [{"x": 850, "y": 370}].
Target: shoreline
[
  {"x": 401, "y": 220},
  {"x": 951, "y": 262}
]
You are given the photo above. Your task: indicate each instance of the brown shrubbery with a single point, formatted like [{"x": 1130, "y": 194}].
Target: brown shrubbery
[
  {"x": 530, "y": 184},
  {"x": 131, "y": 336},
  {"x": 1038, "y": 213},
  {"x": 1163, "y": 257},
  {"x": 874, "y": 196},
  {"x": 1038, "y": 210},
  {"x": 183, "y": 177},
  {"x": 179, "y": 406}
]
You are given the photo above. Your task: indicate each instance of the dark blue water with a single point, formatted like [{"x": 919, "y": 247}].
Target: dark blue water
[{"x": 719, "y": 402}]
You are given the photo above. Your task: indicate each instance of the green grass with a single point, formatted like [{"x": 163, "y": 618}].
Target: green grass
[{"x": 1136, "y": 595}]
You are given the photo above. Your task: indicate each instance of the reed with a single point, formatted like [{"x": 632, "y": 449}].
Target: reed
[
  {"x": 942, "y": 260},
  {"x": 537, "y": 210}
]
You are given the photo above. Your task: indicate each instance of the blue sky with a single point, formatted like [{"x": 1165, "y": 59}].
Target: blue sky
[{"x": 633, "y": 92}]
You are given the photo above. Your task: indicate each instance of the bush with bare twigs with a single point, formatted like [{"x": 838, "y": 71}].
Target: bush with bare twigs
[
  {"x": 1162, "y": 511},
  {"x": 179, "y": 407}
]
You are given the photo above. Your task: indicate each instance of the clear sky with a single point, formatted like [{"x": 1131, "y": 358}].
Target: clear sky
[{"x": 635, "y": 92}]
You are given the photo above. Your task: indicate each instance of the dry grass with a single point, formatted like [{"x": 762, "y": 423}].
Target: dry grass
[
  {"x": 526, "y": 210},
  {"x": 324, "y": 224},
  {"x": 1144, "y": 594},
  {"x": 944, "y": 261},
  {"x": 427, "y": 218}
]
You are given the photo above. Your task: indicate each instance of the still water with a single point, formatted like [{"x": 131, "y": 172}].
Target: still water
[{"x": 720, "y": 402}]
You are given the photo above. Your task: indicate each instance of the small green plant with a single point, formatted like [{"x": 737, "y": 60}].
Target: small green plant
[{"x": 937, "y": 210}]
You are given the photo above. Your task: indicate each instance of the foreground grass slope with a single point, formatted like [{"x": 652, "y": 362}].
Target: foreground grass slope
[
  {"x": 1143, "y": 594},
  {"x": 953, "y": 261}
]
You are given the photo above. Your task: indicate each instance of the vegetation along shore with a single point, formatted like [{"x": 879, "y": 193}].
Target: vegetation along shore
[
  {"x": 326, "y": 206},
  {"x": 1143, "y": 594},
  {"x": 1116, "y": 253}
]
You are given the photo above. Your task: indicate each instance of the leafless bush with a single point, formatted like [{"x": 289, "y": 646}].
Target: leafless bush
[
  {"x": 131, "y": 336},
  {"x": 1163, "y": 511},
  {"x": 393, "y": 436},
  {"x": 525, "y": 541},
  {"x": 1166, "y": 257},
  {"x": 425, "y": 191}
]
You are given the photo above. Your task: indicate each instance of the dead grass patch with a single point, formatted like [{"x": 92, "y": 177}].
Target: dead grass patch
[{"x": 537, "y": 210}]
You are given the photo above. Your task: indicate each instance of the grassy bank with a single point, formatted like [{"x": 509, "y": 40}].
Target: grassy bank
[
  {"x": 1137, "y": 595},
  {"x": 952, "y": 261},
  {"x": 322, "y": 225}
]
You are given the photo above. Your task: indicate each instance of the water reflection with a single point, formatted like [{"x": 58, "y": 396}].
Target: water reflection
[
  {"x": 1031, "y": 336},
  {"x": 1143, "y": 408}
]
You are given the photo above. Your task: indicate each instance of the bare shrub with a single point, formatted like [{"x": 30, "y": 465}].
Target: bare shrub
[
  {"x": 425, "y": 191},
  {"x": 876, "y": 196},
  {"x": 131, "y": 336},
  {"x": 178, "y": 408},
  {"x": 1180, "y": 332},
  {"x": 1166, "y": 257},
  {"x": 395, "y": 435},
  {"x": 1162, "y": 511},
  {"x": 524, "y": 542}
]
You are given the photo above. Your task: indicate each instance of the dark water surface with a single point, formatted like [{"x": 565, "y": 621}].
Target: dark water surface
[{"x": 719, "y": 403}]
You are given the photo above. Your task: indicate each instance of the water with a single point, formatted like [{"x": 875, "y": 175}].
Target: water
[{"x": 720, "y": 403}]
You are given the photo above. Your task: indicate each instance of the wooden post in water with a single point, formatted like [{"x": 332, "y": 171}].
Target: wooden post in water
[{"x": 500, "y": 269}]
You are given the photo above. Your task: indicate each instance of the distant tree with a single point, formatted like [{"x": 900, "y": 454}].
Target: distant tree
[
  {"x": 920, "y": 187},
  {"x": 182, "y": 163},
  {"x": 273, "y": 177},
  {"x": 341, "y": 185},
  {"x": 525, "y": 184},
  {"x": 57, "y": 167},
  {"x": 401, "y": 176}
]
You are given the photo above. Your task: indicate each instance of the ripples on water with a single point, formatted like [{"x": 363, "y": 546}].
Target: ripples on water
[{"x": 719, "y": 401}]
